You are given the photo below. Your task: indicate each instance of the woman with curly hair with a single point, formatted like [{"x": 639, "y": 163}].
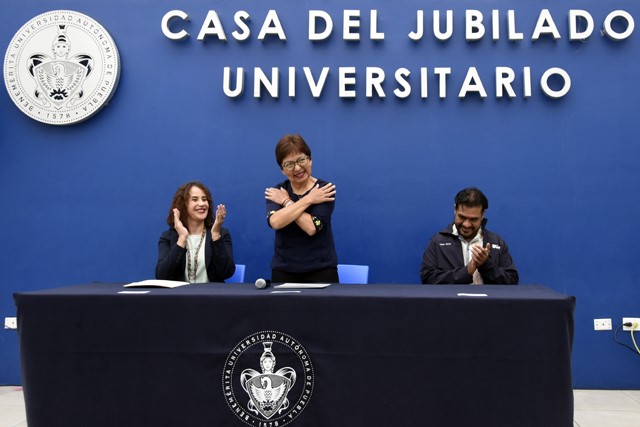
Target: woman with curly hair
[{"x": 196, "y": 248}]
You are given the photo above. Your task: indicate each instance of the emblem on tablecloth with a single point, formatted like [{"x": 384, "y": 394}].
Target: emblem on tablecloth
[
  {"x": 268, "y": 390},
  {"x": 61, "y": 67},
  {"x": 269, "y": 396}
]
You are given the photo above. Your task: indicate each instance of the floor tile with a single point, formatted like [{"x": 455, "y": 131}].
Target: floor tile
[
  {"x": 635, "y": 394},
  {"x": 604, "y": 400},
  {"x": 585, "y": 418},
  {"x": 593, "y": 408},
  {"x": 12, "y": 412},
  {"x": 11, "y": 415},
  {"x": 11, "y": 395}
]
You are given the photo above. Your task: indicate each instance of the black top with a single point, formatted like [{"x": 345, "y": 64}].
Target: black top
[{"x": 293, "y": 249}]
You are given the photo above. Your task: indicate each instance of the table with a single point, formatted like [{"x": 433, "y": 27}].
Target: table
[{"x": 347, "y": 355}]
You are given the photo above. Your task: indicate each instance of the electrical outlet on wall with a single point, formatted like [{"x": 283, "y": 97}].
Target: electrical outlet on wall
[
  {"x": 631, "y": 320},
  {"x": 602, "y": 324},
  {"x": 10, "y": 323}
]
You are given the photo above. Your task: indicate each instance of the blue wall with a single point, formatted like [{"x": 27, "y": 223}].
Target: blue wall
[{"x": 87, "y": 202}]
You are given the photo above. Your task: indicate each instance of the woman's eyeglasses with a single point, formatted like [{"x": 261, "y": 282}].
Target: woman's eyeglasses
[{"x": 290, "y": 165}]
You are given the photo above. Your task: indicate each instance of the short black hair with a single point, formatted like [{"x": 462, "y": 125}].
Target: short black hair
[{"x": 472, "y": 197}]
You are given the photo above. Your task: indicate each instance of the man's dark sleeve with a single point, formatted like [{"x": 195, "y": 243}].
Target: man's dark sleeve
[
  {"x": 499, "y": 268},
  {"x": 436, "y": 270}
]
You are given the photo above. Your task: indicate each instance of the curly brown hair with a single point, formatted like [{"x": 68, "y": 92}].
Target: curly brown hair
[
  {"x": 289, "y": 144},
  {"x": 181, "y": 199}
]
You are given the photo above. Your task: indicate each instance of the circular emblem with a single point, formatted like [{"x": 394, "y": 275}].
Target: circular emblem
[
  {"x": 268, "y": 379},
  {"x": 61, "y": 67}
]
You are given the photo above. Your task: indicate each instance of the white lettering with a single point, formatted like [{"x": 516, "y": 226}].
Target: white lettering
[
  {"x": 618, "y": 15},
  {"x": 167, "y": 18},
  {"x": 550, "y": 73},
  {"x": 545, "y": 25},
  {"x": 272, "y": 26},
  {"x": 474, "y": 27},
  {"x": 472, "y": 83},
  {"x": 448, "y": 32},
  {"x": 233, "y": 93},
  {"x": 351, "y": 20},
  {"x": 240, "y": 18},
  {"x": 576, "y": 16},
  {"x": 374, "y": 80},
  {"x": 211, "y": 26},
  {"x": 314, "y": 15}
]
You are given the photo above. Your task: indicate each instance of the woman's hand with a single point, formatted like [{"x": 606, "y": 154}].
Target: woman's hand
[
  {"x": 182, "y": 231},
  {"x": 317, "y": 195},
  {"x": 296, "y": 211},
  {"x": 277, "y": 195},
  {"x": 221, "y": 213}
]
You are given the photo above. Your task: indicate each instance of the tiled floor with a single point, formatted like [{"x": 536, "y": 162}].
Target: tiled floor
[
  {"x": 606, "y": 408},
  {"x": 12, "y": 407},
  {"x": 593, "y": 408}
]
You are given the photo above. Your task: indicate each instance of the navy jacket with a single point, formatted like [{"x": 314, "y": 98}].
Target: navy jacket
[
  {"x": 172, "y": 258},
  {"x": 443, "y": 263}
]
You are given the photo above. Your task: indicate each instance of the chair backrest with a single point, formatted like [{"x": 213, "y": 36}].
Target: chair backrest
[
  {"x": 351, "y": 273},
  {"x": 238, "y": 276}
]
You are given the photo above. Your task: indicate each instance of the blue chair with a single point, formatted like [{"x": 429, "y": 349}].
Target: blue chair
[
  {"x": 238, "y": 276},
  {"x": 351, "y": 273}
]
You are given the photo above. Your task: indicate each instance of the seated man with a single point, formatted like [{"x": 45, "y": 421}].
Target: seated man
[{"x": 466, "y": 252}]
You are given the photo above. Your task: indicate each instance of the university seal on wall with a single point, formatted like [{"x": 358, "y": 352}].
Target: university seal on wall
[
  {"x": 61, "y": 67},
  {"x": 268, "y": 379}
]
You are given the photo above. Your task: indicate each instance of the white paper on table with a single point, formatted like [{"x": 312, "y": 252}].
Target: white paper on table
[
  {"x": 302, "y": 286},
  {"x": 472, "y": 295},
  {"x": 156, "y": 284}
]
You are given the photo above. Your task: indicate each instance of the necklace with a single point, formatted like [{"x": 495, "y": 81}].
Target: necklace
[
  {"x": 191, "y": 273},
  {"x": 305, "y": 190}
]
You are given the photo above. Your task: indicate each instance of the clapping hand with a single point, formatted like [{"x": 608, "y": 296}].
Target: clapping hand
[
  {"x": 479, "y": 254},
  {"x": 221, "y": 213},
  {"x": 178, "y": 225}
]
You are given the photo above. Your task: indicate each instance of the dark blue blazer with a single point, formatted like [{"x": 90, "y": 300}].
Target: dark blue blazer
[
  {"x": 172, "y": 258},
  {"x": 443, "y": 263}
]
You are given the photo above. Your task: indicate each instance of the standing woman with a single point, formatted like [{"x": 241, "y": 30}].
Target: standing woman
[
  {"x": 299, "y": 210},
  {"x": 196, "y": 248}
]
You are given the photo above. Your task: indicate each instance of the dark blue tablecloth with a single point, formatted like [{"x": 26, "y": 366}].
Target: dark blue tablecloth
[{"x": 361, "y": 355}]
